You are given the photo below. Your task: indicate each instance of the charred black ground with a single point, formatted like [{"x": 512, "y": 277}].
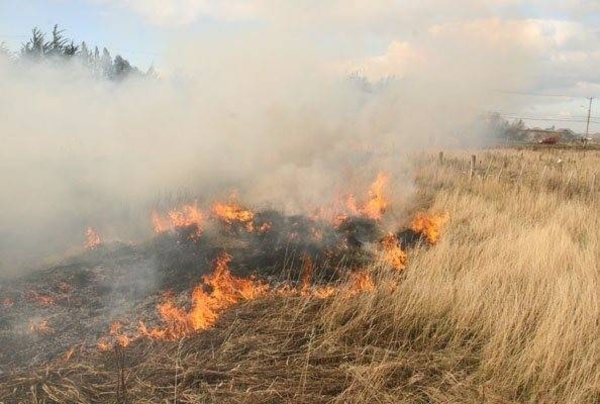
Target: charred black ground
[{"x": 48, "y": 312}]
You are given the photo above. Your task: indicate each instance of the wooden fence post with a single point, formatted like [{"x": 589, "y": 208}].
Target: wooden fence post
[{"x": 473, "y": 161}]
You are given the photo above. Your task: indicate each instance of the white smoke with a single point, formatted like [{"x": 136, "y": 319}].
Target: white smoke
[{"x": 270, "y": 115}]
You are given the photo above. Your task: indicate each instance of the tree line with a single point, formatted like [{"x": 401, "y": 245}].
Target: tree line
[{"x": 58, "y": 49}]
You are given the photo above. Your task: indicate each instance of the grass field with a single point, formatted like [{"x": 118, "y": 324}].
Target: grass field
[{"x": 505, "y": 308}]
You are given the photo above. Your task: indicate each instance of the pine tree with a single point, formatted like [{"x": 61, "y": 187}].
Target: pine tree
[
  {"x": 122, "y": 68},
  {"x": 60, "y": 48},
  {"x": 84, "y": 55},
  {"x": 36, "y": 48}
]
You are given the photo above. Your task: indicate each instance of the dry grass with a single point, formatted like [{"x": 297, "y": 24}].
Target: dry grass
[
  {"x": 504, "y": 309},
  {"x": 506, "y": 306}
]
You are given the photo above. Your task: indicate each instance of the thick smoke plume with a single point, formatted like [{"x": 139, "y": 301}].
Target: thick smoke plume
[{"x": 276, "y": 118}]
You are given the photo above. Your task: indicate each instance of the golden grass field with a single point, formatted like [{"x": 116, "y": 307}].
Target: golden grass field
[{"x": 504, "y": 309}]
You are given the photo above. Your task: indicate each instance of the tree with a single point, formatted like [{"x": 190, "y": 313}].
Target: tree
[
  {"x": 36, "y": 48},
  {"x": 61, "y": 49},
  {"x": 122, "y": 68},
  {"x": 84, "y": 55}
]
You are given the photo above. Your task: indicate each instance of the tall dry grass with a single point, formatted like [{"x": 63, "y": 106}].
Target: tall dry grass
[{"x": 506, "y": 308}]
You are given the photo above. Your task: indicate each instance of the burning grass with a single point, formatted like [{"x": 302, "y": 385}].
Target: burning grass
[{"x": 503, "y": 309}]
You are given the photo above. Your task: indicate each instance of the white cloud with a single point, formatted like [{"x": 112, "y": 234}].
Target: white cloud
[
  {"x": 185, "y": 12},
  {"x": 553, "y": 43}
]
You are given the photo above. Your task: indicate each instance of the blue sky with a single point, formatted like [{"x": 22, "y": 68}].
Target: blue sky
[{"x": 121, "y": 32}]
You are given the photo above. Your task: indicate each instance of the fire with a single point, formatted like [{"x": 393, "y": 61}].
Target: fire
[
  {"x": 265, "y": 227},
  {"x": 351, "y": 205},
  {"x": 115, "y": 338},
  {"x": 323, "y": 292},
  {"x": 42, "y": 300},
  {"x": 93, "y": 239},
  {"x": 40, "y": 327},
  {"x": 233, "y": 213},
  {"x": 392, "y": 253},
  {"x": 306, "y": 289},
  {"x": 220, "y": 290},
  {"x": 378, "y": 203},
  {"x": 225, "y": 291},
  {"x": 360, "y": 281},
  {"x": 184, "y": 217},
  {"x": 373, "y": 206},
  {"x": 103, "y": 346},
  {"x": 429, "y": 226},
  {"x": 308, "y": 267}
]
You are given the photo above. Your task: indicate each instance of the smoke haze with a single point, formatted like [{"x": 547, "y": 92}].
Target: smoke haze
[{"x": 272, "y": 116}]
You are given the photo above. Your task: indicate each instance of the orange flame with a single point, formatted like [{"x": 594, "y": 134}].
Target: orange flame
[
  {"x": 429, "y": 226},
  {"x": 42, "y": 300},
  {"x": 233, "y": 213},
  {"x": 308, "y": 267},
  {"x": 93, "y": 239},
  {"x": 226, "y": 290},
  {"x": 103, "y": 346},
  {"x": 323, "y": 292},
  {"x": 351, "y": 205},
  {"x": 265, "y": 227},
  {"x": 115, "y": 338},
  {"x": 373, "y": 207},
  {"x": 360, "y": 281},
  {"x": 185, "y": 216},
  {"x": 392, "y": 253},
  {"x": 378, "y": 203},
  {"x": 220, "y": 290},
  {"x": 306, "y": 288}
]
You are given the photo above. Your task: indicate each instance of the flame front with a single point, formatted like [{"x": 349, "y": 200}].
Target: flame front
[
  {"x": 40, "y": 299},
  {"x": 221, "y": 290},
  {"x": 182, "y": 218},
  {"x": 360, "y": 281},
  {"x": 115, "y": 338},
  {"x": 308, "y": 267},
  {"x": 430, "y": 226},
  {"x": 231, "y": 213},
  {"x": 225, "y": 291},
  {"x": 378, "y": 203},
  {"x": 393, "y": 255}
]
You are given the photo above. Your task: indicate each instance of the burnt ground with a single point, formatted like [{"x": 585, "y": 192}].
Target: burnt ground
[{"x": 45, "y": 314}]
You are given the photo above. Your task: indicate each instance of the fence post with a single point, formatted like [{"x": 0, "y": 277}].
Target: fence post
[{"x": 473, "y": 161}]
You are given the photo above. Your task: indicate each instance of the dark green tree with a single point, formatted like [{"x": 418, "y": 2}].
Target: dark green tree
[{"x": 61, "y": 49}]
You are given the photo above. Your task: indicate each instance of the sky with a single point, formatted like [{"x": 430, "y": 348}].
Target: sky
[{"x": 378, "y": 38}]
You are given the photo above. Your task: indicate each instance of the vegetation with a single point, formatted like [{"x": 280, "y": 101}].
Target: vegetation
[
  {"x": 504, "y": 309},
  {"x": 59, "y": 50}
]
